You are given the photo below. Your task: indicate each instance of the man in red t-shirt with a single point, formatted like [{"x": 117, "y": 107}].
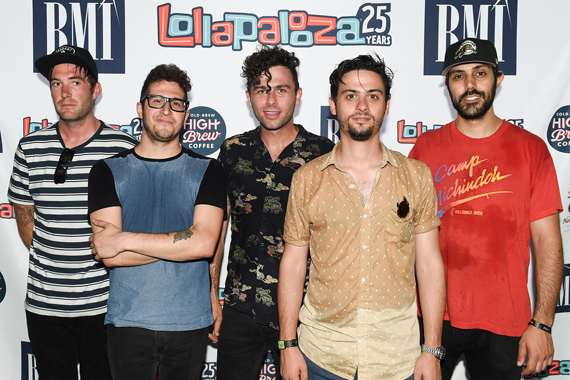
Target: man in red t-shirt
[{"x": 497, "y": 188}]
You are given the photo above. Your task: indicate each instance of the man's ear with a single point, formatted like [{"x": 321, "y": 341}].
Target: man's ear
[{"x": 332, "y": 105}]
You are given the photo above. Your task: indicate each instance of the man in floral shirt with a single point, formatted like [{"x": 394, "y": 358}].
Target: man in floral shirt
[{"x": 259, "y": 164}]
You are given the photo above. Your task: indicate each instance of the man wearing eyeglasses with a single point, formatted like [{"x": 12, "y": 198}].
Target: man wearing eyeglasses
[
  {"x": 157, "y": 212},
  {"x": 67, "y": 290},
  {"x": 497, "y": 189}
]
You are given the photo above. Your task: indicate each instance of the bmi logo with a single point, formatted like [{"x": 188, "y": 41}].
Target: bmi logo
[
  {"x": 563, "y": 305},
  {"x": 448, "y": 21},
  {"x": 29, "y": 371},
  {"x": 98, "y": 26},
  {"x": 329, "y": 125}
]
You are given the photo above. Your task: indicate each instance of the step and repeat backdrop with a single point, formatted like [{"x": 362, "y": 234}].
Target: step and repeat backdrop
[{"x": 211, "y": 39}]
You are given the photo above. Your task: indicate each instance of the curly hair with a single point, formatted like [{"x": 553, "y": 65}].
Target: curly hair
[
  {"x": 169, "y": 73},
  {"x": 370, "y": 62},
  {"x": 263, "y": 59}
]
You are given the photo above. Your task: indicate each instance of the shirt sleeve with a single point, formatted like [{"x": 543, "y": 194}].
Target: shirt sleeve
[
  {"x": 296, "y": 221},
  {"x": 426, "y": 216},
  {"x": 213, "y": 187},
  {"x": 101, "y": 188},
  {"x": 19, "y": 188},
  {"x": 544, "y": 191}
]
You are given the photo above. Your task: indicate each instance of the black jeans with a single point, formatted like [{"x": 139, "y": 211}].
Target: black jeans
[
  {"x": 59, "y": 343},
  {"x": 488, "y": 356},
  {"x": 243, "y": 346},
  {"x": 139, "y": 354}
]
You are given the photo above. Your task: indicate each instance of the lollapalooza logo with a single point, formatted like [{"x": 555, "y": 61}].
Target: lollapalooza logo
[
  {"x": 448, "y": 21},
  {"x": 558, "y": 367},
  {"x": 134, "y": 128},
  {"x": 370, "y": 26},
  {"x": 558, "y": 134},
  {"x": 409, "y": 133},
  {"x": 98, "y": 26}
]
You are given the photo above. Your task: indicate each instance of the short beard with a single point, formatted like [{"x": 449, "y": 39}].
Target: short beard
[
  {"x": 360, "y": 135},
  {"x": 473, "y": 112}
]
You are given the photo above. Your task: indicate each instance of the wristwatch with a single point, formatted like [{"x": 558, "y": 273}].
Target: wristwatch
[
  {"x": 438, "y": 352},
  {"x": 283, "y": 344}
]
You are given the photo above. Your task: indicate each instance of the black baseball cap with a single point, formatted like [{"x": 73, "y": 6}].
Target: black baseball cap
[
  {"x": 67, "y": 54},
  {"x": 470, "y": 50}
]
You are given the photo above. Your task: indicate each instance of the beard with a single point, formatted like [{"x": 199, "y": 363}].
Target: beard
[
  {"x": 474, "y": 111},
  {"x": 361, "y": 134}
]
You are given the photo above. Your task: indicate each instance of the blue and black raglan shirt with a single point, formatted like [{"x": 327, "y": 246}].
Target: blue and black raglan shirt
[
  {"x": 159, "y": 196},
  {"x": 63, "y": 278}
]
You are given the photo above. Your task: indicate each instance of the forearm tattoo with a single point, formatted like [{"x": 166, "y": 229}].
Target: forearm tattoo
[{"x": 182, "y": 235}]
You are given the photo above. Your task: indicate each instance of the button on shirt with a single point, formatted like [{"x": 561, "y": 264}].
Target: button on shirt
[
  {"x": 258, "y": 190},
  {"x": 360, "y": 310}
]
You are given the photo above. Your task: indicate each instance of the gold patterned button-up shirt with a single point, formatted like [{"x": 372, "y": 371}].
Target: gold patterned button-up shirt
[{"x": 360, "y": 310}]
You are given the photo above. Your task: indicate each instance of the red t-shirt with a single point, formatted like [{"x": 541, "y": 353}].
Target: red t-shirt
[{"x": 488, "y": 190}]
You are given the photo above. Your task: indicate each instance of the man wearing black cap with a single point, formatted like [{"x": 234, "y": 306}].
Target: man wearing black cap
[
  {"x": 67, "y": 289},
  {"x": 497, "y": 189}
]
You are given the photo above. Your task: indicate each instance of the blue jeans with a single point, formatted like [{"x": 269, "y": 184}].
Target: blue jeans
[
  {"x": 318, "y": 373},
  {"x": 139, "y": 354}
]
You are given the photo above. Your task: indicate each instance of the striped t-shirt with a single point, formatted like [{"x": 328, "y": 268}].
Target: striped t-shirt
[{"x": 63, "y": 279}]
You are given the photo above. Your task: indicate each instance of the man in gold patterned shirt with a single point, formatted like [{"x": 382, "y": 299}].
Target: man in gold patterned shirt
[{"x": 369, "y": 217}]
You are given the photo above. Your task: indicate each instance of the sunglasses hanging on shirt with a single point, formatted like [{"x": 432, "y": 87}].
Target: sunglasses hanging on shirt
[{"x": 60, "y": 174}]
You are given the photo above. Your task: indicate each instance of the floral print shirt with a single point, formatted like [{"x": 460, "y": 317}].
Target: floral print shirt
[{"x": 258, "y": 190}]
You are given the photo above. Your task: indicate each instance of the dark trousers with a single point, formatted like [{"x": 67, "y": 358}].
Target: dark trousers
[
  {"x": 60, "y": 343},
  {"x": 243, "y": 346},
  {"x": 141, "y": 354},
  {"x": 488, "y": 356}
]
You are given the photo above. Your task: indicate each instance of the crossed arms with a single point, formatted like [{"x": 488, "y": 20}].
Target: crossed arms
[{"x": 116, "y": 247}]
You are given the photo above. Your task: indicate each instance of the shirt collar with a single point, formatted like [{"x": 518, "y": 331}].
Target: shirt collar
[
  {"x": 257, "y": 134},
  {"x": 387, "y": 157}
]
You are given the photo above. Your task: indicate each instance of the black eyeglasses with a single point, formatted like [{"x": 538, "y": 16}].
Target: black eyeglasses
[
  {"x": 157, "y": 101},
  {"x": 64, "y": 161}
]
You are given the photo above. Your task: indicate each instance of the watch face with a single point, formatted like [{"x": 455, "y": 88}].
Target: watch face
[{"x": 440, "y": 353}]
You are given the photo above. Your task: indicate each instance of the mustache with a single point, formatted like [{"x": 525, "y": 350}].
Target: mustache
[
  {"x": 472, "y": 92},
  {"x": 358, "y": 114}
]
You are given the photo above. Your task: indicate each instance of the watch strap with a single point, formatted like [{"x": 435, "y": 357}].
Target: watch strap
[
  {"x": 283, "y": 344},
  {"x": 540, "y": 326},
  {"x": 438, "y": 352}
]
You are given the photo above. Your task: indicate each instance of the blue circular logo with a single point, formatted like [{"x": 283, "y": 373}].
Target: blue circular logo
[
  {"x": 204, "y": 131},
  {"x": 2, "y": 288},
  {"x": 559, "y": 130}
]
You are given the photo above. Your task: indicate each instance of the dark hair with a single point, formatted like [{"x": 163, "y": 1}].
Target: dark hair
[
  {"x": 169, "y": 73},
  {"x": 89, "y": 76},
  {"x": 265, "y": 58},
  {"x": 369, "y": 62},
  {"x": 493, "y": 68}
]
